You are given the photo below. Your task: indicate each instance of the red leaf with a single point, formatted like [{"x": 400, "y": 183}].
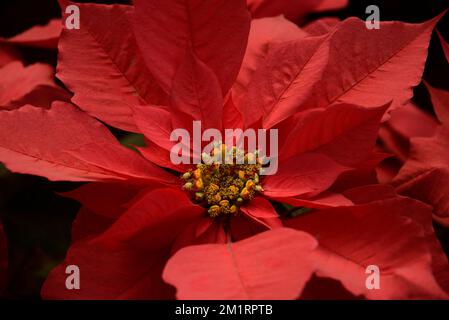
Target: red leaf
[
  {"x": 440, "y": 102},
  {"x": 406, "y": 123},
  {"x": 261, "y": 211},
  {"x": 105, "y": 273},
  {"x": 101, "y": 64},
  {"x": 196, "y": 92},
  {"x": 293, "y": 10},
  {"x": 159, "y": 128},
  {"x": 343, "y": 132},
  {"x": 372, "y": 67},
  {"x": 321, "y": 26},
  {"x": 203, "y": 231},
  {"x": 425, "y": 176},
  {"x": 444, "y": 45},
  {"x": 83, "y": 149},
  {"x": 379, "y": 233},
  {"x": 232, "y": 118},
  {"x": 261, "y": 267},
  {"x": 322, "y": 201},
  {"x": 331, "y": 5},
  {"x": 7, "y": 54},
  {"x": 154, "y": 221},
  {"x": 20, "y": 85},
  {"x": 263, "y": 33},
  {"x": 284, "y": 81},
  {"x": 106, "y": 199},
  {"x": 307, "y": 175},
  {"x": 216, "y": 31},
  {"x": 46, "y": 36}
]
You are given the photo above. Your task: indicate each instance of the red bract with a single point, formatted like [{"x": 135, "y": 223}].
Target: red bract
[
  {"x": 325, "y": 94},
  {"x": 46, "y": 36},
  {"x": 20, "y": 84},
  {"x": 349, "y": 239},
  {"x": 425, "y": 174},
  {"x": 293, "y": 10}
]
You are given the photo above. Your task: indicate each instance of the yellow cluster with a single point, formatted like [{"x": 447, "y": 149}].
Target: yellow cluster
[{"x": 223, "y": 187}]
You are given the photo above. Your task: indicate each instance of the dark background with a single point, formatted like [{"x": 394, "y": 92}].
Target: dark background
[{"x": 37, "y": 220}]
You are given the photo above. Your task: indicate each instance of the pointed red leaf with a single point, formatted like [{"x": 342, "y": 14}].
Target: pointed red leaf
[
  {"x": 20, "y": 85},
  {"x": 343, "y": 132},
  {"x": 372, "y": 67},
  {"x": 106, "y": 199},
  {"x": 445, "y": 46},
  {"x": 440, "y": 102},
  {"x": 425, "y": 176},
  {"x": 202, "y": 231},
  {"x": 8, "y": 54},
  {"x": 155, "y": 123},
  {"x": 322, "y": 201},
  {"x": 216, "y": 31},
  {"x": 82, "y": 149},
  {"x": 109, "y": 273},
  {"x": 45, "y": 36},
  {"x": 261, "y": 211},
  {"x": 263, "y": 33},
  {"x": 261, "y": 267},
  {"x": 101, "y": 64},
  {"x": 284, "y": 81},
  {"x": 321, "y": 26},
  {"x": 307, "y": 175},
  {"x": 293, "y": 10},
  {"x": 379, "y": 233},
  {"x": 196, "y": 92},
  {"x": 156, "y": 219}
]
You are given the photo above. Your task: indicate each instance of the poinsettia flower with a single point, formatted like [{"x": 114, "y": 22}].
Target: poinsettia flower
[
  {"x": 46, "y": 36},
  {"x": 293, "y": 10},
  {"x": 325, "y": 96}
]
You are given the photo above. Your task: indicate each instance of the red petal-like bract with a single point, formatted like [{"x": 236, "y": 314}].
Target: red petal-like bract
[
  {"x": 262, "y": 267},
  {"x": 20, "y": 85},
  {"x": 263, "y": 33},
  {"x": 3, "y": 262},
  {"x": 440, "y": 102},
  {"x": 284, "y": 81},
  {"x": 388, "y": 234},
  {"x": 214, "y": 31},
  {"x": 294, "y": 10},
  {"x": 46, "y": 36},
  {"x": 262, "y": 212},
  {"x": 153, "y": 223},
  {"x": 8, "y": 54},
  {"x": 425, "y": 176},
  {"x": 28, "y": 144},
  {"x": 101, "y": 64},
  {"x": 345, "y": 133},
  {"x": 307, "y": 175},
  {"x": 132, "y": 251},
  {"x": 196, "y": 92},
  {"x": 445, "y": 46},
  {"x": 373, "y": 67}
]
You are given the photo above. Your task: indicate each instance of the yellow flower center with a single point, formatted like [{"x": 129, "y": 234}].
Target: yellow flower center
[{"x": 223, "y": 186}]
